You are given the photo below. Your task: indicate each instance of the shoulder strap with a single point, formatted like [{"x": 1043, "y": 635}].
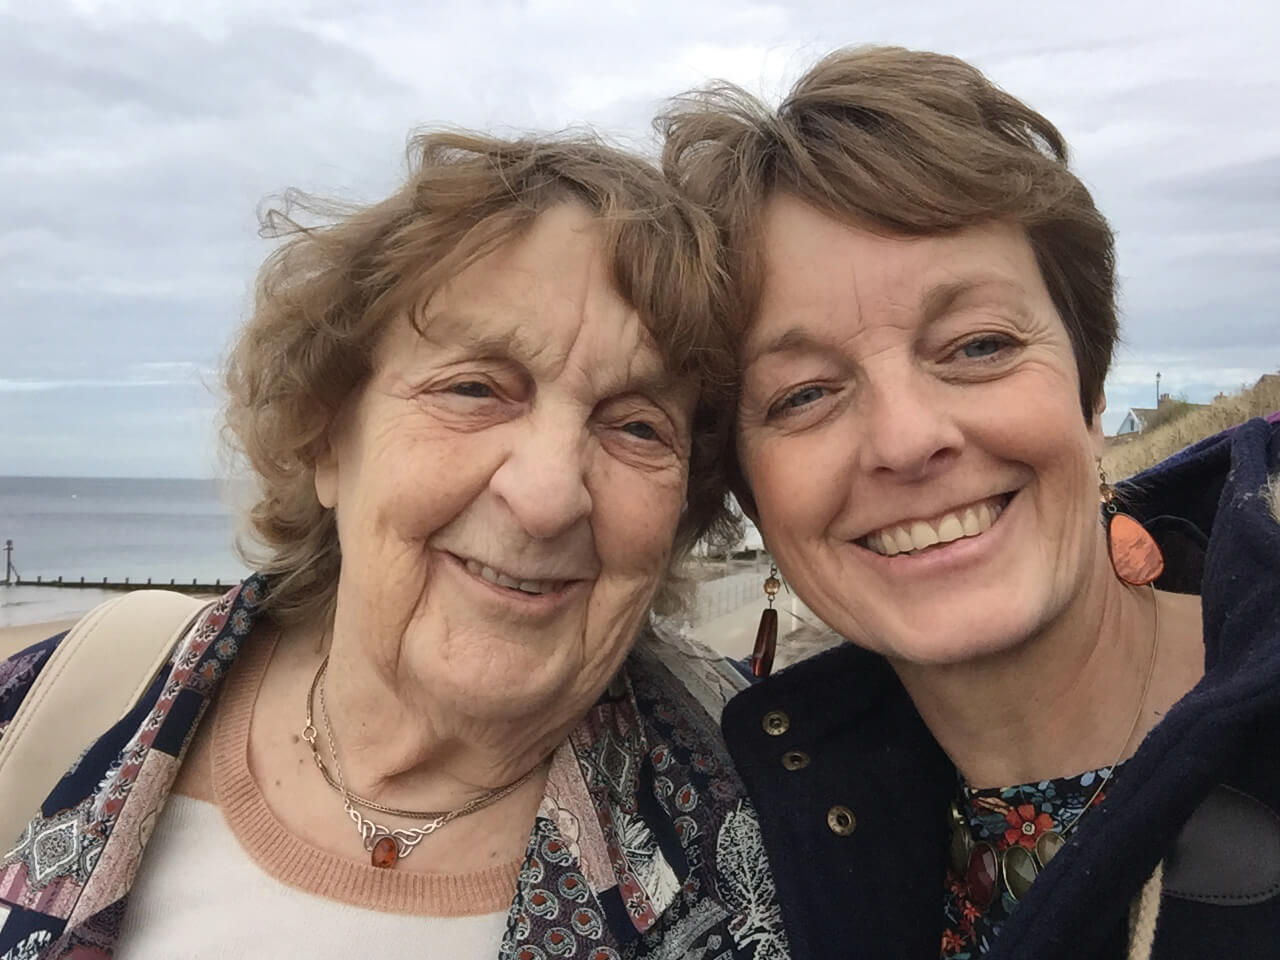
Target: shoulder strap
[{"x": 91, "y": 680}]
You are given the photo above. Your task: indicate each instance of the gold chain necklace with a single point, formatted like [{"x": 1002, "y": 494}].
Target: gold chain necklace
[
  {"x": 386, "y": 845},
  {"x": 1017, "y": 866}
]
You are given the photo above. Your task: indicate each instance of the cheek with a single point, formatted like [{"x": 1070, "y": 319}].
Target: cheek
[
  {"x": 633, "y": 519},
  {"x": 1046, "y": 431},
  {"x": 798, "y": 483},
  {"x": 407, "y": 488}
]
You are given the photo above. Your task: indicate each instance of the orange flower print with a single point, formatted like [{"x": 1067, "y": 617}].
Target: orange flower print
[
  {"x": 952, "y": 942},
  {"x": 1025, "y": 825}
]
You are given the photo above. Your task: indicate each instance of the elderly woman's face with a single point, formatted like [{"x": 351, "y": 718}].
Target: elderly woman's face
[
  {"x": 507, "y": 485},
  {"x": 911, "y": 431}
]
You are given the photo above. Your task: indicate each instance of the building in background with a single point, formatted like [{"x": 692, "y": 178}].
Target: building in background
[{"x": 1139, "y": 419}]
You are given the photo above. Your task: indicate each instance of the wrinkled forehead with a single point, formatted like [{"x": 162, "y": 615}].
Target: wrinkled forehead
[
  {"x": 612, "y": 352},
  {"x": 545, "y": 299},
  {"x": 818, "y": 267}
]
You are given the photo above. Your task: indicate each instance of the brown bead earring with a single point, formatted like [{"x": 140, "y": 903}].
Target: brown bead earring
[
  {"x": 1135, "y": 555},
  {"x": 767, "y": 632}
]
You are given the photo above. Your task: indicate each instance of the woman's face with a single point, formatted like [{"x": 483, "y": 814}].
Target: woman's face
[
  {"x": 911, "y": 431},
  {"x": 507, "y": 485}
]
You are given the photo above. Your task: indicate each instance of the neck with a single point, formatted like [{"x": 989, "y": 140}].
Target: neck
[
  {"x": 309, "y": 810},
  {"x": 1062, "y": 701},
  {"x": 398, "y": 749}
]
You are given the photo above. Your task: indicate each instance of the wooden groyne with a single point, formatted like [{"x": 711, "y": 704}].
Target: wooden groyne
[{"x": 13, "y": 578}]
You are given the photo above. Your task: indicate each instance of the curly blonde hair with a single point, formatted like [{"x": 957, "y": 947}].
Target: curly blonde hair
[{"x": 327, "y": 292}]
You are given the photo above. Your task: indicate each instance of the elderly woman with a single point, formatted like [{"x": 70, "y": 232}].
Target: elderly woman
[
  {"x": 478, "y": 412},
  {"x": 1043, "y": 740}
]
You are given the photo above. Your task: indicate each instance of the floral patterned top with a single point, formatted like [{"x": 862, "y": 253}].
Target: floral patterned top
[
  {"x": 1003, "y": 817},
  {"x": 645, "y": 846}
]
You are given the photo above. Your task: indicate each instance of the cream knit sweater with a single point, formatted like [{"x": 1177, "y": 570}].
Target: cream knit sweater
[{"x": 228, "y": 881}]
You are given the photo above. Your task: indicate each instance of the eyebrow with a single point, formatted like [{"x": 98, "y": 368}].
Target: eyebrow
[
  {"x": 461, "y": 329},
  {"x": 792, "y": 340},
  {"x": 942, "y": 296},
  {"x": 448, "y": 329}
]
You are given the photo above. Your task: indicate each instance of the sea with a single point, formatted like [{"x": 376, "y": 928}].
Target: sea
[
  {"x": 96, "y": 527},
  {"x": 184, "y": 530}
]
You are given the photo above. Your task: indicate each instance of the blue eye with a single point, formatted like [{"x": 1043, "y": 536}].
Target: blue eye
[
  {"x": 797, "y": 400},
  {"x": 802, "y": 397},
  {"x": 983, "y": 347}
]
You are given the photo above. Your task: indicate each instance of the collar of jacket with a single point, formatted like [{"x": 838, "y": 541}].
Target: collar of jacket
[
  {"x": 847, "y": 709},
  {"x": 1218, "y": 486}
]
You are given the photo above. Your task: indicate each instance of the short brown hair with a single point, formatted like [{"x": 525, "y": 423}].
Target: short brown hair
[
  {"x": 912, "y": 143},
  {"x": 324, "y": 296}
]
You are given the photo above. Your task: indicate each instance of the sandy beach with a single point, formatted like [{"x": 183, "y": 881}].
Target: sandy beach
[{"x": 13, "y": 639}]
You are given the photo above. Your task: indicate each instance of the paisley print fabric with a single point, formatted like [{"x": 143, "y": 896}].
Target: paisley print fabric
[{"x": 644, "y": 845}]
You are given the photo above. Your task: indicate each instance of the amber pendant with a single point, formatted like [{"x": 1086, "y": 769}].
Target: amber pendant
[
  {"x": 385, "y": 853},
  {"x": 766, "y": 643},
  {"x": 1134, "y": 553}
]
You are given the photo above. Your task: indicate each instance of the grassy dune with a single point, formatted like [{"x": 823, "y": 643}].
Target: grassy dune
[{"x": 1126, "y": 459}]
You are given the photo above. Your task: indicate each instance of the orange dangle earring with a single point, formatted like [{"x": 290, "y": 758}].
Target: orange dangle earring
[
  {"x": 1135, "y": 555},
  {"x": 767, "y": 632}
]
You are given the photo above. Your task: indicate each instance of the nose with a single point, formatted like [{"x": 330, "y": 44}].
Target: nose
[
  {"x": 908, "y": 426},
  {"x": 543, "y": 479}
]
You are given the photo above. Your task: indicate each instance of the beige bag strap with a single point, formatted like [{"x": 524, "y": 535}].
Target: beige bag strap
[{"x": 91, "y": 680}]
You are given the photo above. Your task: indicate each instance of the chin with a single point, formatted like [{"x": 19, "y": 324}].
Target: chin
[
  {"x": 948, "y": 636},
  {"x": 926, "y": 650}
]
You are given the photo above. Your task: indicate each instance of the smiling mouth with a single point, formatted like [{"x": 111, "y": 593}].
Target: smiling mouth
[
  {"x": 530, "y": 587},
  {"x": 916, "y": 536}
]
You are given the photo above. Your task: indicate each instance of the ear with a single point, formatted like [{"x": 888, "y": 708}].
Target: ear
[
  {"x": 1095, "y": 426},
  {"x": 736, "y": 478},
  {"x": 326, "y": 475}
]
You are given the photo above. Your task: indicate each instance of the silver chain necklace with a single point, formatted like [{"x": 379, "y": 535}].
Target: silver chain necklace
[{"x": 386, "y": 845}]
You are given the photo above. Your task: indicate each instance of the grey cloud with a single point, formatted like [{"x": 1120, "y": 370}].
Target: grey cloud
[
  {"x": 1247, "y": 186},
  {"x": 138, "y": 142},
  {"x": 170, "y": 72}
]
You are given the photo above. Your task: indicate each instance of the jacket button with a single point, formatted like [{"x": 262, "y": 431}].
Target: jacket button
[
  {"x": 795, "y": 760},
  {"x": 776, "y": 723},
  {"x": 841, "y": 821}
]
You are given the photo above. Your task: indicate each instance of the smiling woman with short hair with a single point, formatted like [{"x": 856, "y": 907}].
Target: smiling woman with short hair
[
  {"x": 482, "y": 415},
  {"x": 1043, "y": 740}
]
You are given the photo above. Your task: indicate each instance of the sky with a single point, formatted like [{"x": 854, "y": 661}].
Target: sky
[{"x": 138, "y": 140}]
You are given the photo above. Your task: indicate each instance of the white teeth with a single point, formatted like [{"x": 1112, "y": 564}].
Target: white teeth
[
  {"x": 502, "y": 580},
  {"x": 923, "y": 535},
  {"x": 968, "y": 522},
  {"x": 950, "y": 528}
]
